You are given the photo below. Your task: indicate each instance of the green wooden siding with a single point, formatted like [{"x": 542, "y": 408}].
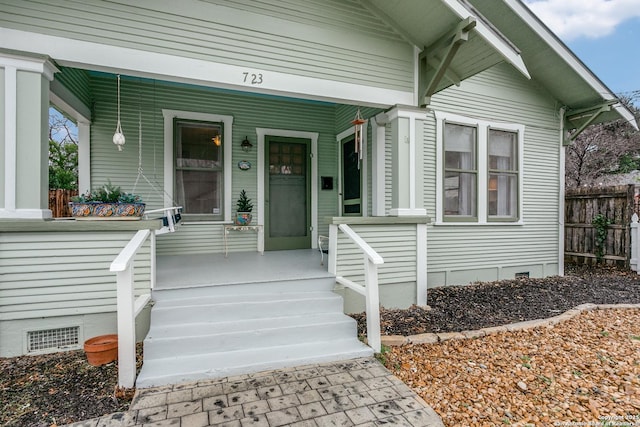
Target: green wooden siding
[
  {"x": 77, "y": 81},
  {"x": 396, "y": 244},
  {"x": 500, "y": 94},
  {"x": 59, "y": 274},
  {"x": 148, "y": 99},
  {"x": 269, "y": 35}
]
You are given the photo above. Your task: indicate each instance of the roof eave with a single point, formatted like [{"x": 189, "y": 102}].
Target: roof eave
[
  {"x": 509, "y": 53},
  {"x": 571, "y": 59}
]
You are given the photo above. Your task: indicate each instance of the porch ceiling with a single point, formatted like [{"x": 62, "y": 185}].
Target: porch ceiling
[{"x": 553, "y": 65}]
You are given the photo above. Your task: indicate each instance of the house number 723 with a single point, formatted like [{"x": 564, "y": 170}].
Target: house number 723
[{"x": 254, "y": 79}]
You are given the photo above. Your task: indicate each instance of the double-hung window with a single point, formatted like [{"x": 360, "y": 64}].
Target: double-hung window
[
  {"x": 197, "y": 164},
  {"x": 502, "y": 203},
  {"x": 479, "y": 171},
  {"x": 199, "y": 167},
  {"x": 461, "y": 172}
]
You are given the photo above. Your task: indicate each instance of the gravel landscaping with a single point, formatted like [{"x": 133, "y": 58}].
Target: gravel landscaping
[{"x": 583, "y": 369}]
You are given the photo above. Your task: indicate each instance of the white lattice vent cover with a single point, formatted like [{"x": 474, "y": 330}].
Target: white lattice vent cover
[{"x": 53, "y": 339}]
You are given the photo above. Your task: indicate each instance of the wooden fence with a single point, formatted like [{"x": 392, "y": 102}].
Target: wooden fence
[
  {"x": 582, "y": 206},
  {"x": 59, "y": 202}
]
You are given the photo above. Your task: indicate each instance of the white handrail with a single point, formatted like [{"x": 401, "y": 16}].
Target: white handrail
[
  {"x": 127, "y": 254},
  {"x": 370, "y": 289},
  {"x": 128, "y": 307},
  {"x": 364, "y": 246}
]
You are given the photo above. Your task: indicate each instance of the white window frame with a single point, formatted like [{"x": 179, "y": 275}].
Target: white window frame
[
  {"x": 169, "y": 161},
  {"x": 483, "y": 127}
]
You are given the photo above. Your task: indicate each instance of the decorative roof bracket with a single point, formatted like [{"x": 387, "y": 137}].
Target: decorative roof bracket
[
  {"x": 590, "y": 114},
  {"x": 448, "y": 44}
]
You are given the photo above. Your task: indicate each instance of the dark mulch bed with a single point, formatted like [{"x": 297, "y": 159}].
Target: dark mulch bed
[
  {"x": 486, "y": 304},
  {"x": 57, "y": 389}
]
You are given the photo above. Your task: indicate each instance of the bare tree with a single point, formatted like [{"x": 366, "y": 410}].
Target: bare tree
[
  {"x": 63, "y": 152},
  {"x": 603, "y": 149}
]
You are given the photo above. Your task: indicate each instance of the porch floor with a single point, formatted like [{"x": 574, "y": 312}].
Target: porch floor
[{"x": 181, "y": 271}]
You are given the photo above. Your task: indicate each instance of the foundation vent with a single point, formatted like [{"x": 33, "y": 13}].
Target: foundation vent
[{"x": 53, "y": 339}]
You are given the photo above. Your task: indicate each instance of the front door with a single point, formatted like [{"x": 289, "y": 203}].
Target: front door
[
  {"x": 287, "y": 188},
  {"x": 351, "y": 174}
]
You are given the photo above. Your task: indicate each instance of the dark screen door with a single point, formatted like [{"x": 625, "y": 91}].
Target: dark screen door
[{"x": 351, "y": 179}]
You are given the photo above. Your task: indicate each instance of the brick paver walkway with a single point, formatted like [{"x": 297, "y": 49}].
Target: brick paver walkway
[{"x": 358, "y": 392}]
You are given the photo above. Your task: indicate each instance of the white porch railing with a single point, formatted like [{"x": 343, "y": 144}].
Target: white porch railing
[
  {"x": 635, "y": 242},
  {"x": 370, "y": 287},
  {"x": 128, "y": 306}
]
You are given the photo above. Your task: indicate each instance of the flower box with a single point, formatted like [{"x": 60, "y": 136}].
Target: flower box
[{"x": 104, "y": 210}]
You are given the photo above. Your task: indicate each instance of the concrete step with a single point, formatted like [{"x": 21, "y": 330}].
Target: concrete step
[
  {"x": 177, "y": 368},
  {"x": 223, "y": 330},
  {"x": 315, "y": 284},
  {"x": 212, "y": 338},
  {"x": 186, "y": 328},
  {"x": 242, "y": 307}
]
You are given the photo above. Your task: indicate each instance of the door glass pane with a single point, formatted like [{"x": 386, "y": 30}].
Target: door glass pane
[{"x": 287, "y": 190}]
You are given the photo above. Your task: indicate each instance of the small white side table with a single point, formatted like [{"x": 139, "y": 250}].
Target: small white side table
[{"x": 232, "y": 227}]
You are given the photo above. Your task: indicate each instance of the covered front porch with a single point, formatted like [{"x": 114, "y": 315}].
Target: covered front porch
[{"x": 215, "y": 315}]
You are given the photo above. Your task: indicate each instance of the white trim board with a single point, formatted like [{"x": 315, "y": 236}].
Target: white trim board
[
  {"x": 261, "y": 133},
  {"x": 378, "y": 195},
  {"x": 99, "y": 57}
]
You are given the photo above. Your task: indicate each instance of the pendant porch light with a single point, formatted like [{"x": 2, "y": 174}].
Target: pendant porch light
[{"x": 118, "y": 137}]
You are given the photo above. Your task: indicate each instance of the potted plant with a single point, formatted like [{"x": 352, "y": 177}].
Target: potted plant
[
  {"x": 107, "y": 202},
  {"x": 244, "y": 208}
]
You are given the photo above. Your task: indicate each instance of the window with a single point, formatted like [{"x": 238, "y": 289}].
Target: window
[
  {"x": 479, "y": 171},
  {"x": 503, "y": 175},
  {"x": 197, "y": 164},
  {"x": 199, "y": 168},
  {"x": 460, "y": 181}
]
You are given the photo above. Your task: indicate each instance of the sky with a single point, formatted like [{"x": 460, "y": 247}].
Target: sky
[{"x": 604, "y": 34}]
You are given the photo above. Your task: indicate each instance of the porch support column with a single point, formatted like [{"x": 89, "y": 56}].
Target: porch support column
[
  {"x": 24, "y": 147},
  {"x": 378, "y": 150},
  {"x": 406, "y": 197}
]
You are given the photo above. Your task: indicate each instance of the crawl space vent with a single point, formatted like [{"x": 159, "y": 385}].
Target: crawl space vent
[{"x": 53, "y": 339}]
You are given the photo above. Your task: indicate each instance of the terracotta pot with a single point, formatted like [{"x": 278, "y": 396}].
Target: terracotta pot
[{"x": 102, "y": 349}]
